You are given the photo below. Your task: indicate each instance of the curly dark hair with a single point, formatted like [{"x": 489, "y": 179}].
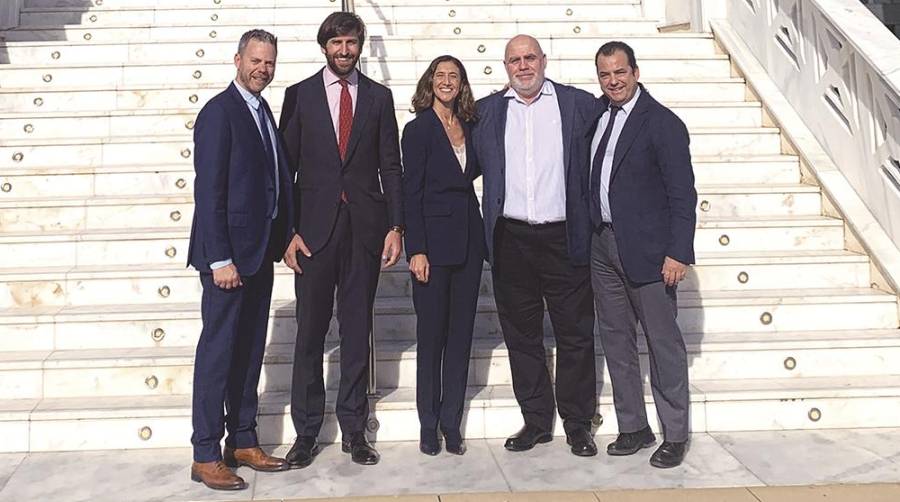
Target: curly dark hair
[{"x": 423, "y": 99}]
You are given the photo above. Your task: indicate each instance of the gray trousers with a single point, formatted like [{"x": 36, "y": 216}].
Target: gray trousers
[{"x": 620, "y": 305}]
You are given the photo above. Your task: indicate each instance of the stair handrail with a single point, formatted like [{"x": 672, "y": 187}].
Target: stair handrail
[{"x": 348, "y": 6}]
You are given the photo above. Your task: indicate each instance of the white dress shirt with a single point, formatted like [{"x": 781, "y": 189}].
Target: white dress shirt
[
  {"x": 534, "y": 158},
  {"x": 621, "y": 116},
  {"x": 253, "y": 103}
]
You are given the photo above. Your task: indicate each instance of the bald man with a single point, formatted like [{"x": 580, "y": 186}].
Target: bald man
[{"x": 531, "y": 143}]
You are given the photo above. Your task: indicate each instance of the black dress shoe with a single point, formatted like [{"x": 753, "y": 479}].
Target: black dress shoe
[
  {"x": 453, "y": 443},
  {"x": 303, "y": 452},
  {"x": 428, "y": 442},
  {"x": 582, "y": 442},
  {"x": 359, "y": 449},
  {"x": 669, "y": 454},
  {"x": 628, "y": 443},
  {"x": 526, "y": 438}
]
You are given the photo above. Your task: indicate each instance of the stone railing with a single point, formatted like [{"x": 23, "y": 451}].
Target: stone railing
[
  {"x": 837, "y": 66},
  {"x": 9, "y": 13}
]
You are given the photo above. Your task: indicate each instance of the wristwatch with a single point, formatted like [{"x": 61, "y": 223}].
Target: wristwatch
[{"x": 399, "y": 229}]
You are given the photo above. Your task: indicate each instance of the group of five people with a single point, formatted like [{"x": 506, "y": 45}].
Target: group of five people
[{"x": 587, "y": 204}]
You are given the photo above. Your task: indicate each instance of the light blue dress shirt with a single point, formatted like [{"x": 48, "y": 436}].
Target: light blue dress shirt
[{"x": 619, "y": 123}]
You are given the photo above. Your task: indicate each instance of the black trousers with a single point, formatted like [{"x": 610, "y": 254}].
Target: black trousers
[
  {"x": 445, "y": 318},
  {"x": 620, "y": 305},
  {"x": 346, "y": 265},
  {"x": 228, "y": 362},
  {"x": 531, "y": 266}
]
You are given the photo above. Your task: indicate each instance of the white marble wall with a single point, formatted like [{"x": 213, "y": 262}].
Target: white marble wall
[
  {"x": 836, "y": 64},
  {"x": 9, "y": 13}
]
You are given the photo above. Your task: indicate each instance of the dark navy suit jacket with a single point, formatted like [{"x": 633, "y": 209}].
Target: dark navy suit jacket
[
  {"x": 578, "y": 111},
  {"x": 369, "y": 175},
  {"x": 234, "y": 190},
  {"x": 439, "y": 202},
  {"x": 651, "y": 190}
]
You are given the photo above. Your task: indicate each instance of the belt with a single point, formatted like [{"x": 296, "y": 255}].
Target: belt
[{"x": 533, "y": 225}]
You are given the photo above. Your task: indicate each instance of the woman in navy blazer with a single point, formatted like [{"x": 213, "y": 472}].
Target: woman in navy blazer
[{"x": 444, "y": 245}]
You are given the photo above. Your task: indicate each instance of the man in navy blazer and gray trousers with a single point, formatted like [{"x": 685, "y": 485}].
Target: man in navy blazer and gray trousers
[
  {"x": 643, "y": 210},
  {"x": 531, "y": 146},
  {"x": 241, "y": 222}
]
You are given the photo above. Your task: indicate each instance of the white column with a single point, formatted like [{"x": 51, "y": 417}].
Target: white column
[{"x": 9, "y": 13}]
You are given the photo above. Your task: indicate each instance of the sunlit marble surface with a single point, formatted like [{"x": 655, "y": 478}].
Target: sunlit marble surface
[{"x": 745, "y": 459}]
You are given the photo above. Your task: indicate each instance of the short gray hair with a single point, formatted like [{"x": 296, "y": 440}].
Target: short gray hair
[{"x": 258, "y": 35}]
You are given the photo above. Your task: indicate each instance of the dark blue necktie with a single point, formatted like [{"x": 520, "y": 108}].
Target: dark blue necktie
[
  {"x": 597, "y": 167},
  {"x": 269, "y": 147}
]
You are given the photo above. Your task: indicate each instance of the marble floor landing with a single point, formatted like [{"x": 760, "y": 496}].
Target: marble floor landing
[{"x": 757, "y": 464}]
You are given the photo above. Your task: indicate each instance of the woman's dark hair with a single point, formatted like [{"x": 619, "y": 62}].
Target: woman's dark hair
[
  {"x": 341, "y": 24},
  {"x": 423, "y": 99}
]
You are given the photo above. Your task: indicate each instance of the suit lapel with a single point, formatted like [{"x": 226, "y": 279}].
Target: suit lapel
[
  {"x": 319, "y": 99},
  {"x": 566, "y": 102},
  {"x": 363, "y": 105},
  {"x": 245, "y": 118},
  {"x": 633, "y": 125},
  {"x": 500, "y": 128},
  {"x": 470, "y": 154}
]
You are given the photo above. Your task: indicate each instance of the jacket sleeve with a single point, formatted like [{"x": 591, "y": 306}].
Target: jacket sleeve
[
  {"x": 674, "y": 157},
  {"x": 390, "y": 169},
  {"x": 414, "y": 159},
  {"x": 212, "y": 156}
]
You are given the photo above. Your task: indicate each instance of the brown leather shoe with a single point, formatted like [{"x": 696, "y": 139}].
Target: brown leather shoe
[
  {"x": 216, "y": 475},
  {"x": 255, "y": 459}
]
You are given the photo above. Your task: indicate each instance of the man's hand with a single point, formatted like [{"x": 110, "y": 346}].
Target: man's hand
[
  {"x": 673, "y": 271},
  {"x": 290, "y": 255},
  {"x": 227, "y": 277},
  {"x": 420, "y": 267},
  {"x": 391, "y": 252}
]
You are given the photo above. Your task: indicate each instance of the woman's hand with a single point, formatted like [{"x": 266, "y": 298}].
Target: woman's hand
[{"x": 419, "y": 267}]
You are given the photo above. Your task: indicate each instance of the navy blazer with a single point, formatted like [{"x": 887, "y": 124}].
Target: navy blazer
[
  {"x": 234, "y": 189},
  {"x": 651, "y": 190},
  {"x": 578, "y": 110},
  {"x": 369, "y": 174},
  {"x": 439, "y": 201}
]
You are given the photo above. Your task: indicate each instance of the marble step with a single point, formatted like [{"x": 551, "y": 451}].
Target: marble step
[
  {"x": 192, "y": 97},
  {"x": 256, "y": 15},
  {"x": 156, "y": 283},
  {"x": 40, "y": 125},
  {"x": 192, "y": 4},
  {"x": 166, "y": 324},
  {"x": 491, "y": 412},
  {"x": 167, "y": 371},
  {"x": 548, "y": 27},
  {"x": 301, "y": 65},
  {"x": 165, "y": 149},
  {"x": 178, "y": 179},
  {"x": 205, "y": 49},
  {"x": 71, "y": 212}
]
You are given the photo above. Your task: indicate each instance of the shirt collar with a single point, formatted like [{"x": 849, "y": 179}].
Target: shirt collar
[
  {"x": 546, "y": 90},
  {"x": 331, "y": 78},
  {"x": 249, "y": 97},
  {"x": 629, "y": 105}
]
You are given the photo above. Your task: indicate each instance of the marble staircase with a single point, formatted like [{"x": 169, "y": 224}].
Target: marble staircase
[{"x": 99, "y": 316}]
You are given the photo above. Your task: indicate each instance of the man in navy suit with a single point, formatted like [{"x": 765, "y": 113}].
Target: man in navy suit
[
  {"x": 643, "y": 211},
  {"x": 242, "y": 216},
  {"x": 531, "y": 144},
  {"x": 340, "y": 131}
]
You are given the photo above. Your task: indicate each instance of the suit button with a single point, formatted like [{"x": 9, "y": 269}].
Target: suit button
[{"x": 498, "y": 201}]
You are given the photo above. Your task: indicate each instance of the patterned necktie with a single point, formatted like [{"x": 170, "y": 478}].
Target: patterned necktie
[
  {"x": 270, "y": 152},
  {"x": 597, "y": 167},
  {"x": 345, "y": 118}
]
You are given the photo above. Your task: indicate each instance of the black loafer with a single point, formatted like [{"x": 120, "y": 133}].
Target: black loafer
[
  {"x": 428, "y": 443},
  {"x": 526, "y": 438},
  {"x": 303, "y": 452},
  {"x": 453, "y": 443},
  {"x": 359, "y": 449},
  {"x": 582, "y": 442},
  {"x": 628, "y": 443},
  {"x": 669, "y": 454}
]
